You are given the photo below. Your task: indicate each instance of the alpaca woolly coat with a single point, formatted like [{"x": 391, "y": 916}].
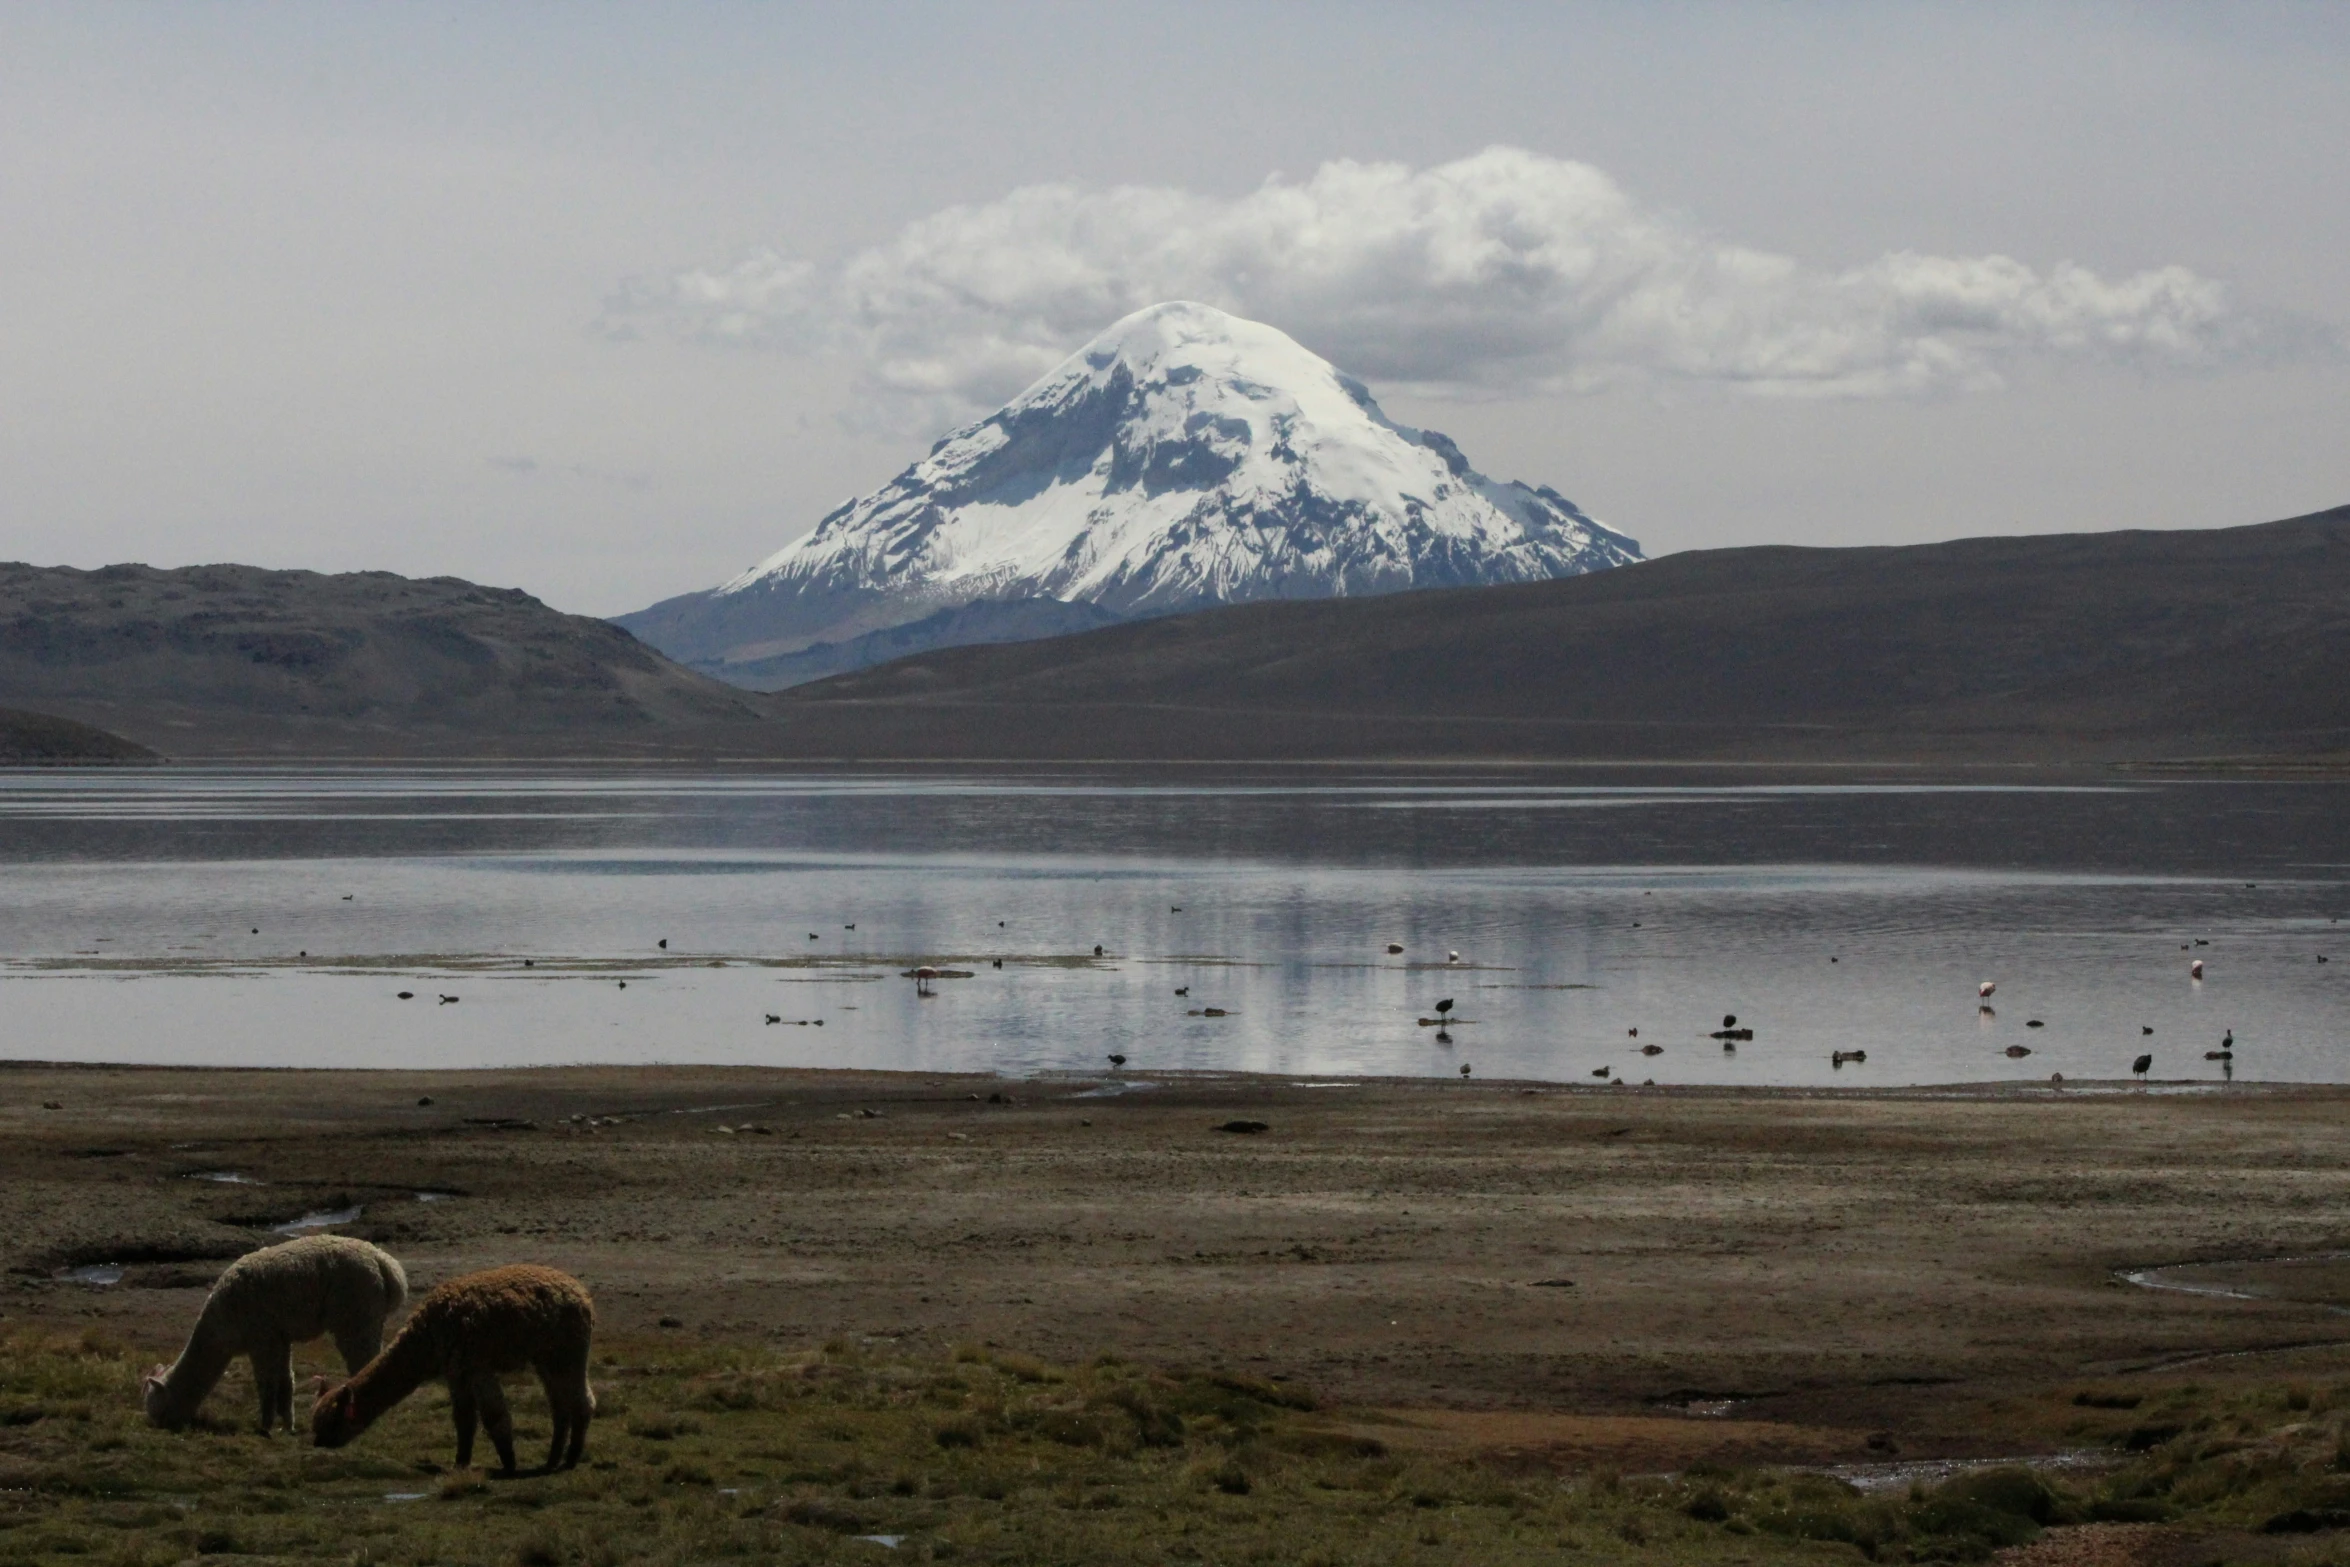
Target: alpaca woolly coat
[
  {"x": 264, "y": 1304},
  {"x": 466, "y": 1332}
]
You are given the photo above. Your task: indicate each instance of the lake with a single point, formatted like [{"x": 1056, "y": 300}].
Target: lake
[{"x": 271, "y": 917}]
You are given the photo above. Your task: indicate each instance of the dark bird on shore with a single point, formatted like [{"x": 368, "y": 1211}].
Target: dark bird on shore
[
  {"x": 2142, "y": 1066},
  {"x": 407, "y": 995},
  {"x": 1183, "y": 990},
  {"x": 1444, "y": 1009},
  {"x": 1117, "y": 1060},
  {"x": 664, "y": 943},
  {"x": 774, "y": 1018},
  {"x": 1464, "y": 1069},
  {"x": 1097, "y": 949}
]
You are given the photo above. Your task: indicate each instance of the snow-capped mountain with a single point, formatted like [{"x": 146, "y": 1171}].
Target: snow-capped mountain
[{"x": 1184, "y": 458}]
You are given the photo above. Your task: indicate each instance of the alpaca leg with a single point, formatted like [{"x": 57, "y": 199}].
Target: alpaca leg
[
  {"x": 273, "y": 1382},
  {"x": 462, "y": 1411},
  {"x": 358, "y": 1346},
  {"x": 494, "y": 1417},
  {"x": 571, "y": 1404}
]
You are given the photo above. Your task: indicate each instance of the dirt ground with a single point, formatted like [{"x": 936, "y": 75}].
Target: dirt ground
[{"x": 1603, "y": 1275}]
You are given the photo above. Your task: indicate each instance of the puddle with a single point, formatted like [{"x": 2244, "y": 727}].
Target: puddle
[
  {"x": 1900, "y": 1474},
  {"x": 323, "y": 1219},
  {"x": 1709, "y": 1408},
  {"x": 888, "y": 1542},
  {"x": 436, "y": 1196},
  {"x": 2318, "y": 1279},
  {"x": 228, "y": 1177},
  {"x": 406, "y": 1496},
  {"x": 1112, "y": 1091},
  {"x": 99, "y": 1273}
]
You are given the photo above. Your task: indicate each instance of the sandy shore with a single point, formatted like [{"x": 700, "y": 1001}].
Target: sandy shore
[{"x": 1806, "y": 1269}]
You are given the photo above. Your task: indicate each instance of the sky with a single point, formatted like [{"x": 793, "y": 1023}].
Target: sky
[{"x": 608, "y": 302}]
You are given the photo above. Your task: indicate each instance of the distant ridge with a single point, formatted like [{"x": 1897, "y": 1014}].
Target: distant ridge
[
  {"x": 238, "y": 660},
  {"x": 43, "y": 740},
  {"x": 2101, "y": 646}
]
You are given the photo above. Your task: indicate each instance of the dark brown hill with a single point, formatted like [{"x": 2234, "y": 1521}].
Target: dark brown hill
[
  {"x": 41, "y": 740},
  {"x": 226, "y": 660},
  {"x": 2080, "y": 646}
]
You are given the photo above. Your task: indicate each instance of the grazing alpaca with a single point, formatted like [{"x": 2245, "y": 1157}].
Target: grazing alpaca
[
  {"x": 264, "y": 1304},
  {"x": 466, "y": 1332}
]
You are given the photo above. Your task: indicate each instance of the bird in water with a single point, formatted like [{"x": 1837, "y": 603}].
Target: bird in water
[
  {"x": 1444, "y": 1009},
  {"x": 2228, "y": 1040},
  {"x": 1097, "y": 949},
  {"x": 774, "y": 1017},
  {"x": 407, "y": 995},
  {"x": 1117, "y": 1060},
  {"x": 1633, "y": 1032},
  {"x": 1601, "y": 1071},
  {"x": 1452, "y": 957},
  {"x": 1464, "y": 1069},
  {"x": 1183, "y": 990},
  {"x": 1983, "y": 991},
  {"x": 664, "y": 943}
]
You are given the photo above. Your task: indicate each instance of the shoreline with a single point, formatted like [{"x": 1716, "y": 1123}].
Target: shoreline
[{"x": 1861, "y": 1257}]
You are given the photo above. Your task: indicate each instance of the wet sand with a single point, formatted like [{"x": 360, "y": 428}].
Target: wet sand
[{"x": 1579, "y": 1272}]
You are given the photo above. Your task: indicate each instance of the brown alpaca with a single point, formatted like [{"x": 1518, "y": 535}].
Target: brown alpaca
[{"x": 465, "y": 1332}]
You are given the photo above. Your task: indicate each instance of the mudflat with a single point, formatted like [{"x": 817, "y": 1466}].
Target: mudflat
[{"x": 1601, "y": 1274}]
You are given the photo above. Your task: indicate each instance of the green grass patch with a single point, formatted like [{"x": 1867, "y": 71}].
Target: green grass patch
[{"x": 713, "y": 1454}]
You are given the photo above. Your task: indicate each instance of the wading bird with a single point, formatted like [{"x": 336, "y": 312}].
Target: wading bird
[{"x": 2142, "y": 1066}]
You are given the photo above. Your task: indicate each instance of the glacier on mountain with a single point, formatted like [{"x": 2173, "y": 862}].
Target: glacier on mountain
[{"x": 1182, "y": 459}]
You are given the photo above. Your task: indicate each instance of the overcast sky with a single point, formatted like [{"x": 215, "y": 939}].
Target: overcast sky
[{"x": 607, "y": 303}]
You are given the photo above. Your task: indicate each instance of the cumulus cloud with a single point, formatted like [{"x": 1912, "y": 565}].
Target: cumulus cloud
[{"x": 1506, "y": 272}]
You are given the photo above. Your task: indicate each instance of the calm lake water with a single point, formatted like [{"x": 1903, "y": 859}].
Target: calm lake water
[{"x": 263, "y": 917}]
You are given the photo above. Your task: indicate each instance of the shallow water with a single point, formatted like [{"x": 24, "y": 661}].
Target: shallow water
[{"x": 272, "y": 918}]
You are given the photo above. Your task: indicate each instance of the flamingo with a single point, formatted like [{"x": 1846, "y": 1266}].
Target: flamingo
[
  {"x": 2195, "y": 969},
  {"x": 1983, "y": 991}
]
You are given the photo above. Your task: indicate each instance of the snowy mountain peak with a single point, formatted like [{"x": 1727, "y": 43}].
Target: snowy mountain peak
[{"x": 1183, "y": 458}]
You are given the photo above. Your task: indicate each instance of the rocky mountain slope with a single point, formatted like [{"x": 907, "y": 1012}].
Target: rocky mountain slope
[
  {"x": 1183, "y": 459},
  {"x": 2106, "y": 646},
  {"x": 212, "y": 660}
]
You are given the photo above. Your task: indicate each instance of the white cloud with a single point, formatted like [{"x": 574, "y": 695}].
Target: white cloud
[{"x": 1506, "y": 272}]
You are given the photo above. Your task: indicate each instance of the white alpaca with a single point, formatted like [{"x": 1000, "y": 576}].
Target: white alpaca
[{"x": 267, "y": 1302}]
